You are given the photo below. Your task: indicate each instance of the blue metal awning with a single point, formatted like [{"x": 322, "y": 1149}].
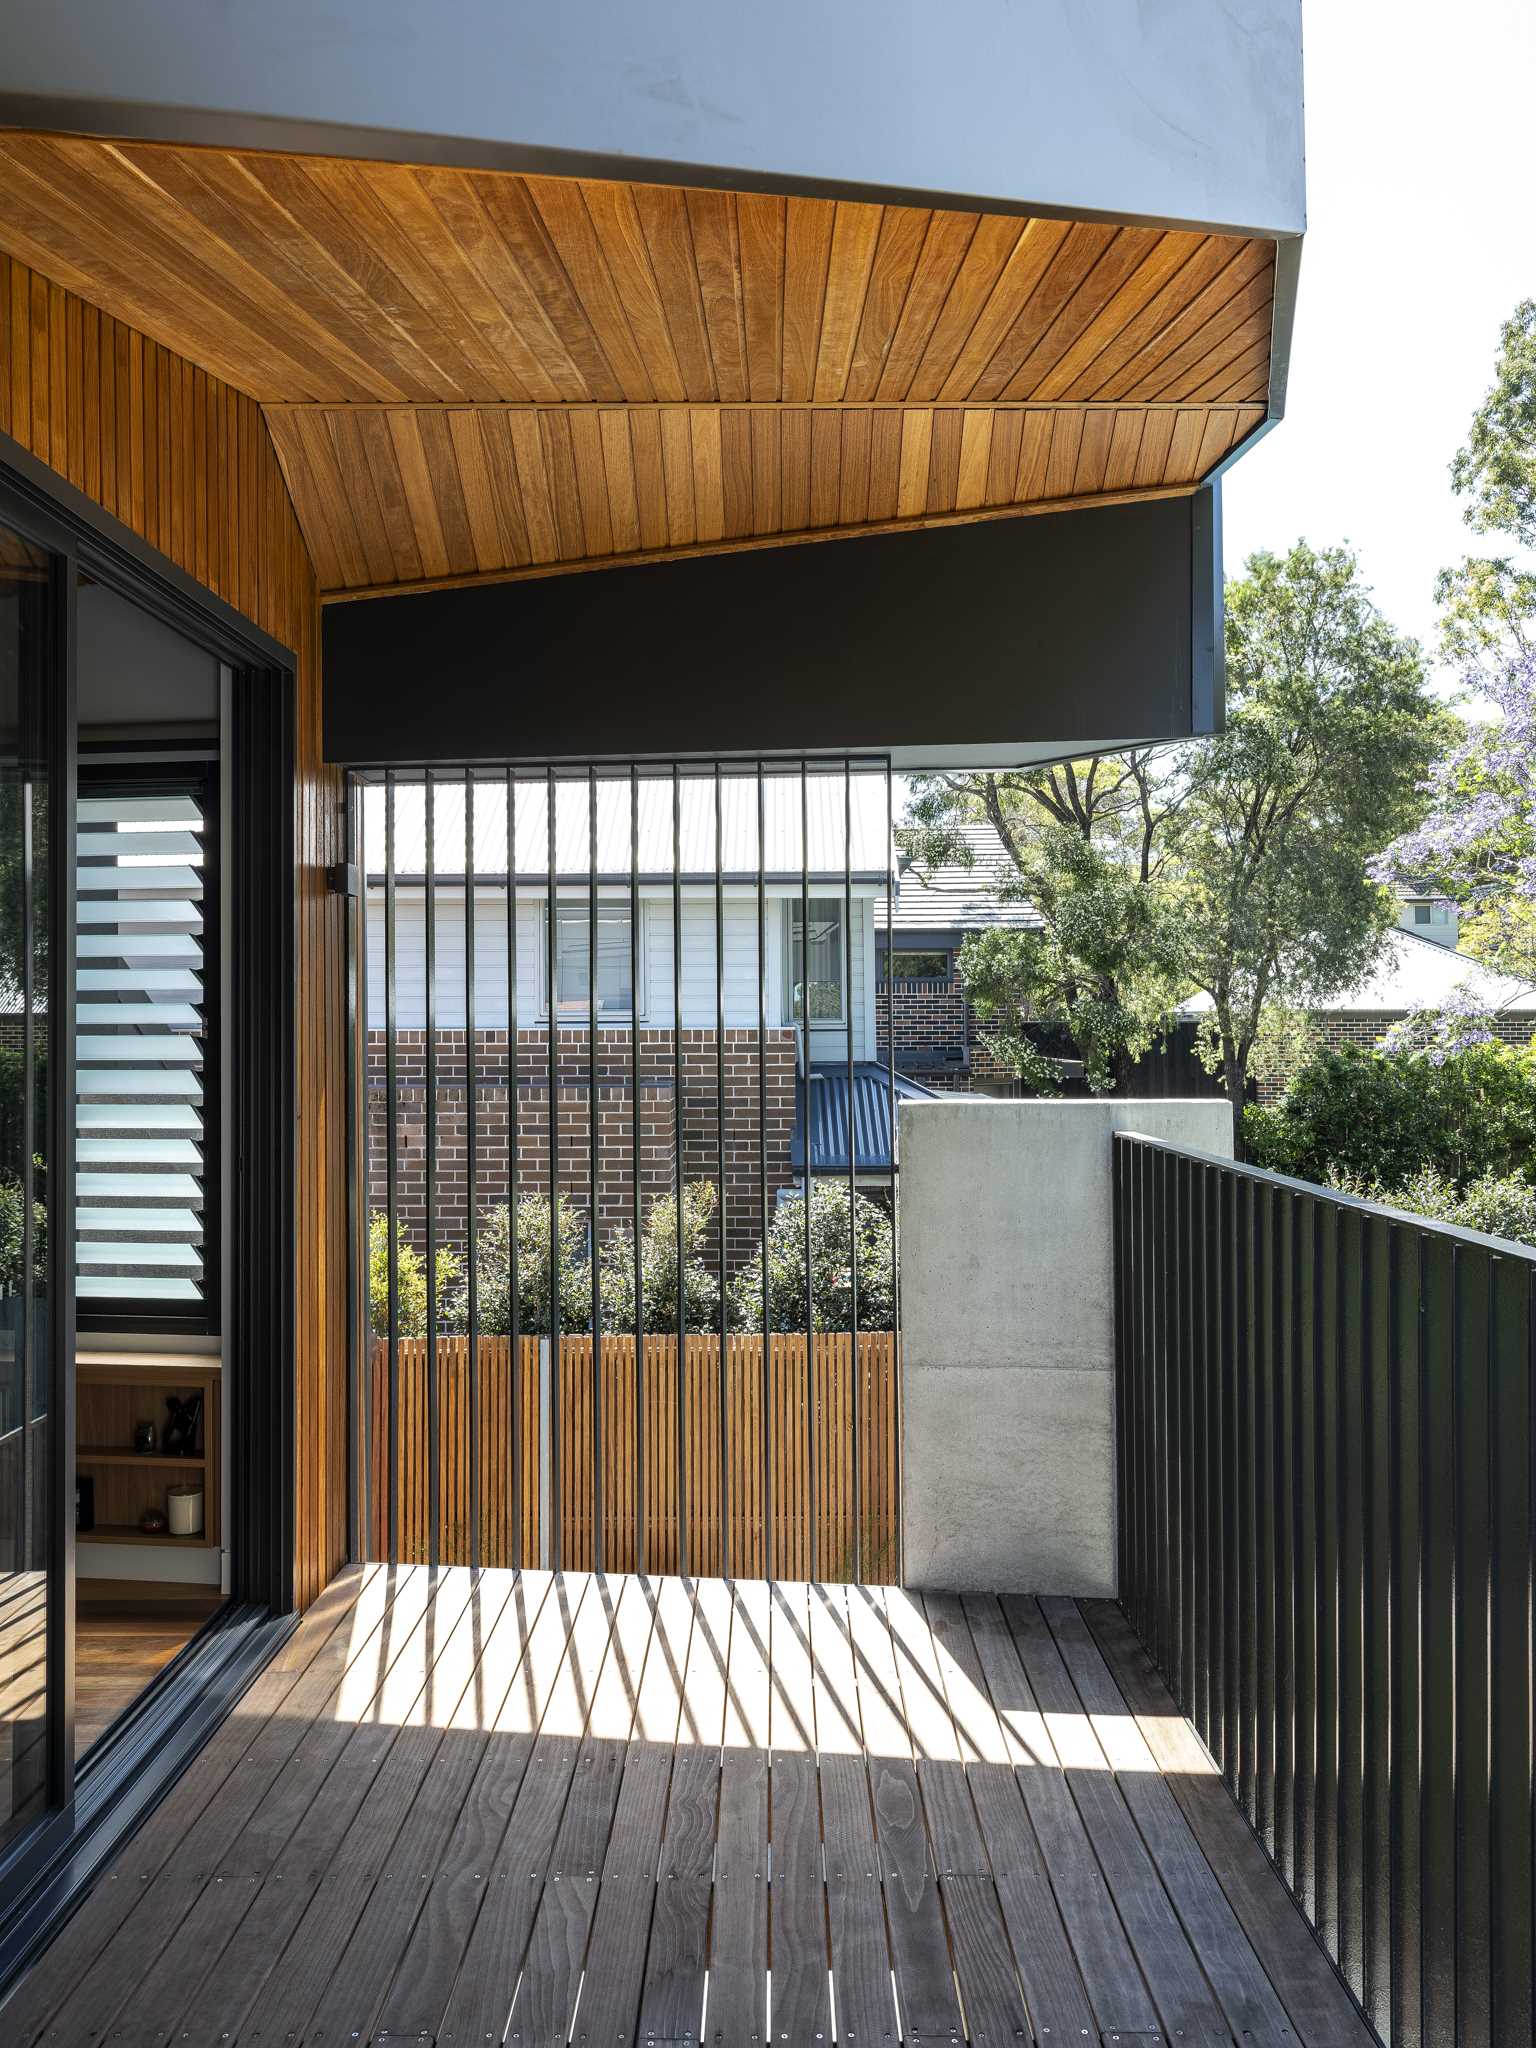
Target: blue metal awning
[{"x": 822, "y": 1102}]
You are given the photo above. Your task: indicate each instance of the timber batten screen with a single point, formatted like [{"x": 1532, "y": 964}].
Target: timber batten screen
[{"x": 545, "y": 1150}]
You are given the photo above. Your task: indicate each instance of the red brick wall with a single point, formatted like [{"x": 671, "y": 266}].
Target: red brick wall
[{"x": 615, "y": 1076}]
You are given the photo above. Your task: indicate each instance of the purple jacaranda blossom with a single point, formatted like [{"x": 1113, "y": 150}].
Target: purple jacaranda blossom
[
  {"x": 1480, "y": 836},
  {"x": 1462, "y": 1022}
]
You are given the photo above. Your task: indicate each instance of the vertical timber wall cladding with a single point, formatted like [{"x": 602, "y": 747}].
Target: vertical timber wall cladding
[{"x": 186, "y": 462}]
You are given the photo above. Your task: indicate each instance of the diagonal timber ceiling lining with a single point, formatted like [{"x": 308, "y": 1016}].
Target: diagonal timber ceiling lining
[{"x": 481, "y": 373}]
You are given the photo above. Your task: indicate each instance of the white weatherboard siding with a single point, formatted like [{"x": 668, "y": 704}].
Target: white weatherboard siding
[{"x": 829, "y": 1041}]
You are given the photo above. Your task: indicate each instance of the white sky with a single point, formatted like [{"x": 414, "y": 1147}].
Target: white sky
[{"x": 1421, "y": 175}]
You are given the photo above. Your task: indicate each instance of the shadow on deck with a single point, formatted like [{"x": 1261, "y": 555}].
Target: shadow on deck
[{"x": 624, "y": 1811}]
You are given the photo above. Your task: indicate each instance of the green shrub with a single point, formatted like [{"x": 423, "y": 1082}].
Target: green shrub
[
  {"x": 1378, "y": 1118},
  {"x": 493, "y": 1264},
  {"x": 410, "y": 1280},
  {"x": 13, "y": 1211},
  {"x": 1499, "y": 1206},
  {"x": 831, "y": 1269},
  {"x": 658, "y": 1266}
]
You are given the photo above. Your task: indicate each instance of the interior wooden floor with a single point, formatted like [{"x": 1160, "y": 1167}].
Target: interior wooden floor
[
  {"x": 120, "y": 1645},
  {"x": 621, "y": 1811}
]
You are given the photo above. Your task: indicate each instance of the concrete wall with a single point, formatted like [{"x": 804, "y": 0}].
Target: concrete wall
[
  {"x": 1007, "y": 1316},
  {"x": 1189, "y": 110}
]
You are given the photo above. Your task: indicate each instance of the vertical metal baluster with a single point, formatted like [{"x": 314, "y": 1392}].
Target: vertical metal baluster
[
  {"x": 811, "y": 1436},
  {"x": 765, "y": 1448},
  {"x": 635, "y": 1160},
  {"x": 434, "y": 1476},
  {"x": 360, "y": 1369},
  {"x": 597, "y": 1302},
  {"x": 677, "y": 1147},
  {"x": 392, "y": 1166},
  {"x": 853, "y": 1196},
  {"x": 514, "y": 1305},
  {"x": 472, "y": 1141},
  {"x": 26, "y": 1546},
  {"x": 721, "y": 1362},
  {"x": 550, "y": 1424},
  {"x": 890, "y": 1093}
]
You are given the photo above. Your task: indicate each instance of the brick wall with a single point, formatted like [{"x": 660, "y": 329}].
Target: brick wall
[
  {"x": 1339, "y": 1028},
  {"x": 938, "y": 1035},
  {"x": 615, "y": 1136}
]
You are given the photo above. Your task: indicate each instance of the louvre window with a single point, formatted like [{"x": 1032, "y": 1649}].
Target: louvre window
[{"x": 145, "y": 1089}]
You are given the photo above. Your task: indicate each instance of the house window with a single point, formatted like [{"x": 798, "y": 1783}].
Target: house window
[
  {"x": 827, "y": 960},
  {"x": 573, "y": 942},
  {"x": 920, "y": 967}
]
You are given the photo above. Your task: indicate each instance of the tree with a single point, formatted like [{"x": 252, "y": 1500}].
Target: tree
[
  {"x": 1085, "y": 841},
  {"x": 1478, "y": 841},
  {"x": 1330, "y": 731}
]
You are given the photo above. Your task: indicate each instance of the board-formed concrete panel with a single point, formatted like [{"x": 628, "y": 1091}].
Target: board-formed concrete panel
[{"x": 1008, "y": 1337}]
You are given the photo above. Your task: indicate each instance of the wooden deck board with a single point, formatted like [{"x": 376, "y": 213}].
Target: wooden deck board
[{"x": 462, "y": 1808}]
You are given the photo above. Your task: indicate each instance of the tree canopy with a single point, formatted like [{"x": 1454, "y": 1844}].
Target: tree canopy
[
  {"x": 1235, "y": 865},
  {"x": 1477, "y": 841},
  {"x": 1330, "y": 732}
]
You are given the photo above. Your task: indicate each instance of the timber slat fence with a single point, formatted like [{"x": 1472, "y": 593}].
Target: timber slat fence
[
  {"x": 636, "y": 1501},
  {"x": 1327, "y": 1446}
]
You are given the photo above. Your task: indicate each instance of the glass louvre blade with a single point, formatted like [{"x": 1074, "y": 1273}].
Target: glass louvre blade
[{"x": 141, "y": 1110}]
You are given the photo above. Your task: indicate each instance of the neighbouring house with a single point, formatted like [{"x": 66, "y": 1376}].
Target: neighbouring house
[
  {"x": 1427, "y": 913},
  {"x": 1414, "y": 974},
  {"x": 918, "y": 937},
  {"x": 838, "y": 872}
]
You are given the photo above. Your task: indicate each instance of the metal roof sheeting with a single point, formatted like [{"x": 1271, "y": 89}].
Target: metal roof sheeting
[
  {"x": 829, "y": 842},
  {"x": 826, "y": 1111},
  {"x": 1416, "y": 974}
]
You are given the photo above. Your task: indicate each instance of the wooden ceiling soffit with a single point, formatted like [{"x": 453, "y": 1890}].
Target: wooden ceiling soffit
[{"x": 473, "y": 373}]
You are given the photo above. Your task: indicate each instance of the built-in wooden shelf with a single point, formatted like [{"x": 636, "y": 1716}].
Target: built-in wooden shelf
[
  {"x": 130, "y": 1532},
  {"x": 114, "y": 1454},
  {"x": 117, "y": 1391}
]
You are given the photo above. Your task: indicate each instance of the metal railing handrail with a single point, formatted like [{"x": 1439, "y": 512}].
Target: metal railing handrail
[{"x": 1316, "y": 1191}]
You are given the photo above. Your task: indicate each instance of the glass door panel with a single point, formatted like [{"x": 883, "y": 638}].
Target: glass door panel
[{"x": 28, "y": 1508}]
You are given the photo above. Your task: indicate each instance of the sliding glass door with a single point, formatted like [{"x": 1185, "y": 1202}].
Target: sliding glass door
[{"x": 32, "y": 1554}]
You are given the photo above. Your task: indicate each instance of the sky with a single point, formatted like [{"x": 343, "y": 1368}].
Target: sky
[{"x": 1421, "y": 239}]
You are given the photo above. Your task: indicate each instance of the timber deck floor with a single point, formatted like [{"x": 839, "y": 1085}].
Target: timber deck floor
[{"x": 620, "y": 1811}]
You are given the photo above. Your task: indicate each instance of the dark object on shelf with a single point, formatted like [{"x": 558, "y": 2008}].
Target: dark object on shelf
[
  {"x": 85, "y": 1503},
  {"x": 180, "y": 1438},
  {"x": 153, "y": 1522},
  {"x": 144, "y": 1438}
]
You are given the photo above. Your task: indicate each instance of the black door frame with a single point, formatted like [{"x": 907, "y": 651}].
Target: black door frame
[{"x": 259, "y": 1314}]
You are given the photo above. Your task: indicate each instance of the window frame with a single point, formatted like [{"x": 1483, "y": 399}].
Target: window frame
[
  {"x": 101, "y": 776},
  {"x": 569, "y": 1015},
  {"x": 943, "y": 954},
  {"x": 792, "y": 907}
]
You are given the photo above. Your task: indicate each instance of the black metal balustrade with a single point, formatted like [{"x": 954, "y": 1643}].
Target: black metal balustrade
[
  {"x": 614, "y": 1067},
  {"x": 1327, "y": 1470}
]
